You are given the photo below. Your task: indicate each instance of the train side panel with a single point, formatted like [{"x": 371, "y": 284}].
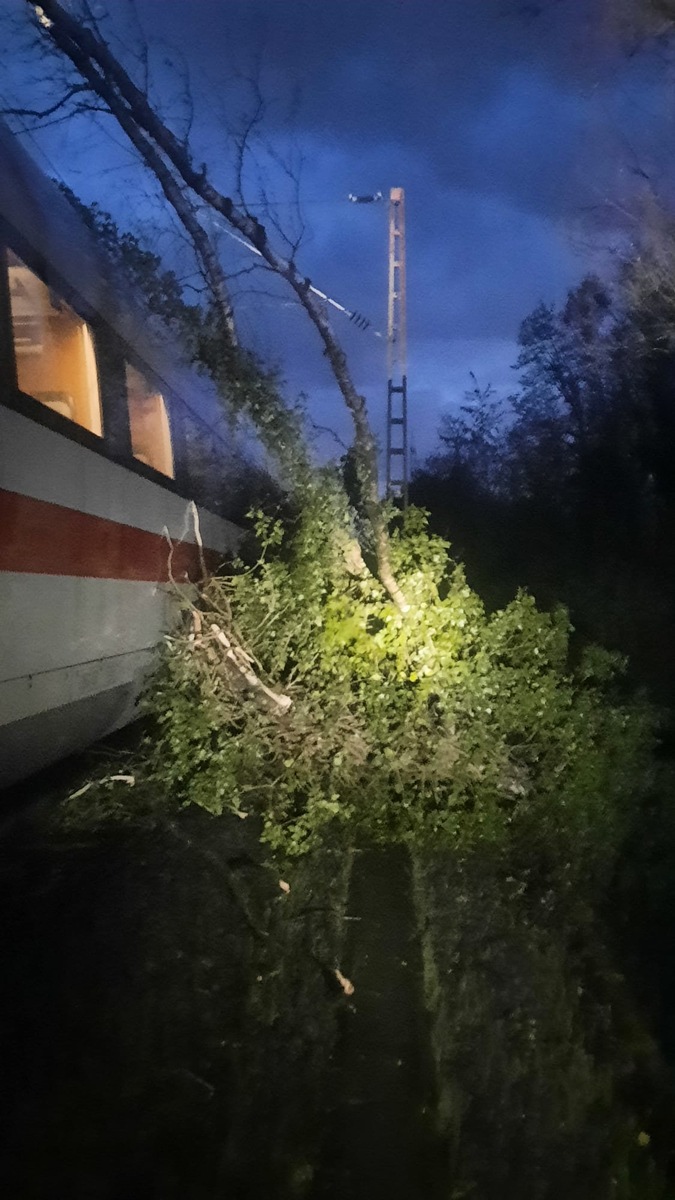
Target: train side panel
[{"x": 91, "y": 557}]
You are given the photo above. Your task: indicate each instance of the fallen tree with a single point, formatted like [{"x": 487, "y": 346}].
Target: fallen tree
[
  {"x": 349, "y": 677},
  {"x": 169, "y": 158}
]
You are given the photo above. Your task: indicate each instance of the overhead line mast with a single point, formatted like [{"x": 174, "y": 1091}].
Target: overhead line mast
[
  {"x": 398, "y": 452},
  {"x": 398, "y": 455}
]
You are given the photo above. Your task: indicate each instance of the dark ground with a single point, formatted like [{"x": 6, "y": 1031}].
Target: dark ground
[
  {"x": 381, "y": 1140},
  {"x": 171, "y": 1024}
]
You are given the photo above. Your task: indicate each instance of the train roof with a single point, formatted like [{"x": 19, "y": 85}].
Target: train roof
[{"x": 36, "y": 208}]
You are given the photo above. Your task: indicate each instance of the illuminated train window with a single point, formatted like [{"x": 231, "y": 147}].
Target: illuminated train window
[
  {"x": 54, "y": 348},
  {"x": 149, "y": 423}
]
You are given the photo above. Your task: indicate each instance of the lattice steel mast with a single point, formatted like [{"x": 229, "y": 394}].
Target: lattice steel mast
[
  {"x": 398, "y": 456},
  {"x": 398, "y": 452}
]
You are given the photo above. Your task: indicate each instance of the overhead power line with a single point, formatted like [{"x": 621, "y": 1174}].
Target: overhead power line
[{"x": 356, "y": 318}]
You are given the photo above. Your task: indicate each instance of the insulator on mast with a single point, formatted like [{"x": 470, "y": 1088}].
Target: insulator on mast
[
  {"x": 373, "y": 199},
  {"x": 359, "y": 320}
]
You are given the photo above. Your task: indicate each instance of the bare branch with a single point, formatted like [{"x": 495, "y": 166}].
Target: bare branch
[
  {"x": 153, "y": 159},
  {"x": 243, "y": 141},
  {"x": 320, "y": 429},
  {"x": 40, "y": 114},
  {"x": 241, "y": 664}
]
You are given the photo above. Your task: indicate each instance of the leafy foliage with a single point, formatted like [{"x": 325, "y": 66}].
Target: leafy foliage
[
  {"x": 161, "y": 289},
  {"x": 442, "y": 724},
  {"x": 246, "y": 388},
  {"x": 472, "y": 438},
  {"x": 577, "y": 500}
]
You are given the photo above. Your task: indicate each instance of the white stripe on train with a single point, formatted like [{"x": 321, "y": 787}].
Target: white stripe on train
[{"x": 40, "y": 463}]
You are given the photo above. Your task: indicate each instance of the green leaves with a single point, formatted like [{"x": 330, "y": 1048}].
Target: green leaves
[{"x": 442, "y": 725}]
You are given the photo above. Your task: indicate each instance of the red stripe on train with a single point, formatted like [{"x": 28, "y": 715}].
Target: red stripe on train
[{"x": 41, "y": 538}]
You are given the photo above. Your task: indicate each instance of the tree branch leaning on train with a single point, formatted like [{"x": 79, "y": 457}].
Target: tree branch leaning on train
[{"x": 170, "y": 160}]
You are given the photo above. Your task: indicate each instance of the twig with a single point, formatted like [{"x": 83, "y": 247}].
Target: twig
[{"x": 194, "y": 513}]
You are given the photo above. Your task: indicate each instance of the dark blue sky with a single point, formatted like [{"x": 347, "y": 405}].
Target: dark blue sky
[{"x": 509, "y": 135}]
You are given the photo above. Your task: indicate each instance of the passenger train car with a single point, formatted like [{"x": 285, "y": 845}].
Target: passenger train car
[{"x": 96, "y": 422}]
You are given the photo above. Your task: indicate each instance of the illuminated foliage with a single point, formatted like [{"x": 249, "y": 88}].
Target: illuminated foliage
[{"x": 441, "y": 725}]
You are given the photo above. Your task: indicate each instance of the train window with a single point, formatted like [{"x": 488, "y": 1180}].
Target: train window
[
  {"x": 149, "y": 423},
  {"x": 54, "y": 348}
]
